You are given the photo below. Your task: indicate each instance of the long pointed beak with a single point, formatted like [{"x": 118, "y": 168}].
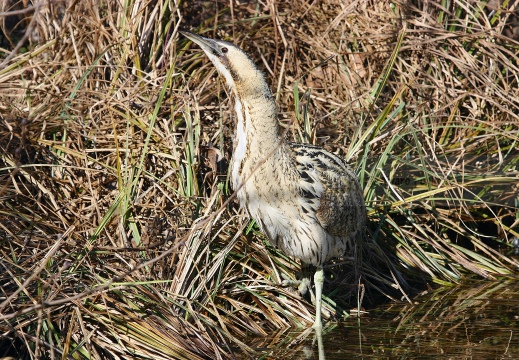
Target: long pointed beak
[{"x": 208, "y": 45}]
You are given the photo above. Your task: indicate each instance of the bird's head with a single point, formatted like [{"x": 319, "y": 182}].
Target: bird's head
[{"x": 232, "y": 62}]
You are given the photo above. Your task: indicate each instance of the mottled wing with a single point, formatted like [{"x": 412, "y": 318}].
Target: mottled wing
[{"x": 330, "y": 190}]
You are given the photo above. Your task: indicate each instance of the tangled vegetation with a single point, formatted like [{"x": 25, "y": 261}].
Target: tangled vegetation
[{"x": 119, "y": 234}]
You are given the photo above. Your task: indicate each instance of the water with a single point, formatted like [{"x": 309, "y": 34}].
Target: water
[{"x": 473, "y": 321}]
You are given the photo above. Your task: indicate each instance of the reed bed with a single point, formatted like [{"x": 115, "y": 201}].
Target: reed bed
[{"x": 119, "y": 234}]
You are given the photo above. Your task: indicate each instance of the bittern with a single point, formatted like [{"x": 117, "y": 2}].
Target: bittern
[{"x": 306, "y": 200}]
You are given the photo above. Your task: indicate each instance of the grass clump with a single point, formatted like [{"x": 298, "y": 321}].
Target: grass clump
[{"x": 119, "y": 236}]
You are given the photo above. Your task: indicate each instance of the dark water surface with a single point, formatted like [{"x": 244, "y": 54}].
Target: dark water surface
[{"x": 476, "y": 321}]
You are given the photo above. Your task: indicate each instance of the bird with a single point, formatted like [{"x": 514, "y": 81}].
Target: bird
[{"x": 306, "y": 200}]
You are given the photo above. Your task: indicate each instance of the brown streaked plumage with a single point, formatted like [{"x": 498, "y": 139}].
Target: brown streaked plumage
[{"x": 306, "y": 200}]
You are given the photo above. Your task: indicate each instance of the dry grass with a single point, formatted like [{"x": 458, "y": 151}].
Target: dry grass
[{"x": 119, "y": 236}]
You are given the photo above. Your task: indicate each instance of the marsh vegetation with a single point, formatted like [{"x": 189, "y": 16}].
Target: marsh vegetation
[{"x": 119, "y": 234}]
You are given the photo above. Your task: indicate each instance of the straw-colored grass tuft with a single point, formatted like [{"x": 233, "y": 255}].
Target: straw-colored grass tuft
[{"x": 119, "y": 234}]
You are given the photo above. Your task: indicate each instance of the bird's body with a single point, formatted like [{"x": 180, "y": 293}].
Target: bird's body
[
  {"x": 306, "y": 200},
  {"x": 302, "y": 200}
]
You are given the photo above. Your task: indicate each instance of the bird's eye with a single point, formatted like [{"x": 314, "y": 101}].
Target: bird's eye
[{"x": 224, "y": 50}]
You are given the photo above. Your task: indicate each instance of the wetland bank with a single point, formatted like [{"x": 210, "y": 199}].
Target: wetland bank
[{"x": 119, "y": 236}]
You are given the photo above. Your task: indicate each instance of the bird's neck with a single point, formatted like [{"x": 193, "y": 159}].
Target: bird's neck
[
  {"x": 257, "y": 115},
  {"x": 258, "y": 133}
]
